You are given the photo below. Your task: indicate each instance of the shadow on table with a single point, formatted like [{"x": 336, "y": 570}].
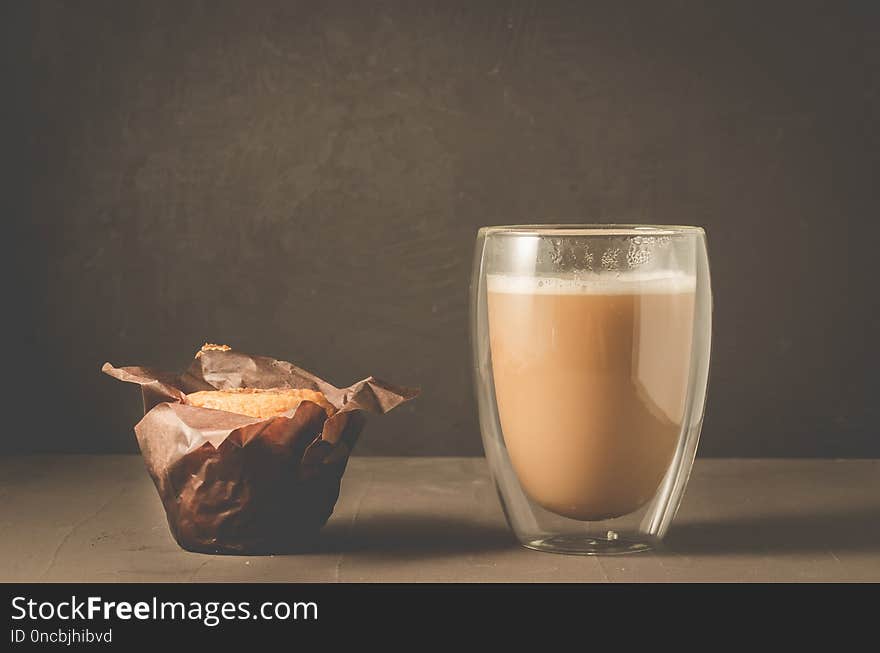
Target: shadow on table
[
  {"x": 852, "y": 530},
  {"x": 395, "y": 534}
]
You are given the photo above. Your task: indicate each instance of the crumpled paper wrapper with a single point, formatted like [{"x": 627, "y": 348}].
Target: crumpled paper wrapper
[{"x": 243, "y": 485}]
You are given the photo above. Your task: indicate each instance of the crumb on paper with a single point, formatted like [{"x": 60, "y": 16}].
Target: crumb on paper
[{"x": 210, "y": 346}]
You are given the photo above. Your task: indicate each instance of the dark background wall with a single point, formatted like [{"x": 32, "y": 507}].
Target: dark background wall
[{"x": 304, "y": 180}]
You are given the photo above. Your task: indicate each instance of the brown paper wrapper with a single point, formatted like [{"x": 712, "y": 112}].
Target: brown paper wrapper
[{"x": 243, "y": 485}]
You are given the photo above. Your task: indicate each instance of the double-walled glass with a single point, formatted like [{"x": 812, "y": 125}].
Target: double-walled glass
[{"x": 591, "y": 358}]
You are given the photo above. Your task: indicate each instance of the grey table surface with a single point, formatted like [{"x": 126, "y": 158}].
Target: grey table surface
[{"x": 98, "y": 518}]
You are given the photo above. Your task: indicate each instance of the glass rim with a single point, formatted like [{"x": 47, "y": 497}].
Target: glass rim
[{"x": 610, "y": 229}]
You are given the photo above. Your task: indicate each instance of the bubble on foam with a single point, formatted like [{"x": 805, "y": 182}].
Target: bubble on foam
[{"x": 592, "y": 283}]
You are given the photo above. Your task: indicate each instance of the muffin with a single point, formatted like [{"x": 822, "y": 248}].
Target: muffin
[{"x": 247, "y": 452}]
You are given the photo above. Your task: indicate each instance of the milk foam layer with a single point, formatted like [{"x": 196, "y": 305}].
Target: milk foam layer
[{"x": 591, "y": 283}]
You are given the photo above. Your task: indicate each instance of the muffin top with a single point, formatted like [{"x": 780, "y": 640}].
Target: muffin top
[{"x": 256, "y": 402}]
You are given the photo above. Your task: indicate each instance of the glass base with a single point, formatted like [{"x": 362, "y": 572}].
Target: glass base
[{"x": 586, "y": 546}]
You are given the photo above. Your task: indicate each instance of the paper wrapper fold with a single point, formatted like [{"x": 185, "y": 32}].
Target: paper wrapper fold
[{"x": 237, "y": 484}]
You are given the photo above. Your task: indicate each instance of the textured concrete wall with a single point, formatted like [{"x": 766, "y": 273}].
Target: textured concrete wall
[{"x": 304, "y": 180}]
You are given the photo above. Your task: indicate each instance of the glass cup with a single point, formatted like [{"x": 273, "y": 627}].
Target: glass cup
[{"x": 591, "y": 358}]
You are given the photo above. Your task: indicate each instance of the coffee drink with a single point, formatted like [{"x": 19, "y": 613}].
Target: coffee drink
[{"x": 591, "y": 375}]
